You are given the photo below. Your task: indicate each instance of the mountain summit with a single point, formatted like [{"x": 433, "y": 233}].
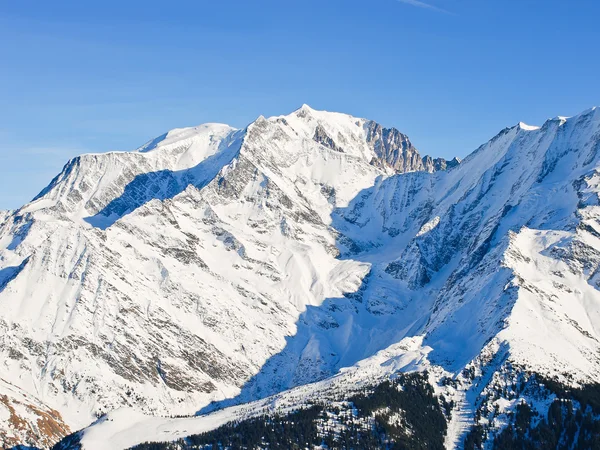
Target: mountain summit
[{"x": 213, "y": 267}]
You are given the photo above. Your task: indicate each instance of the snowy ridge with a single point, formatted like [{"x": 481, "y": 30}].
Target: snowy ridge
[{"x": 225, "y": 266}]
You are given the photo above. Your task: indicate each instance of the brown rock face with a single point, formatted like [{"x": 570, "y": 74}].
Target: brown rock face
[{"x": 26, "y": 421}]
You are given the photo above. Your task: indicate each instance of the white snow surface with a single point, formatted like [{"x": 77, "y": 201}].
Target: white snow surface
[{"x": 223, "y": 265}]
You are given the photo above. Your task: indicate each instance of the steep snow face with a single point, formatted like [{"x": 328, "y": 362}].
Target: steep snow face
[
  {"x": 164, "y": 278},
  {"x": 505, "y": 243},
  {"x": 443, "y": 262},
  {"x": 115, "y": 183}
]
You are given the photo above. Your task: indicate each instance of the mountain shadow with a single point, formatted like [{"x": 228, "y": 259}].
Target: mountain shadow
[
  {"x": 343, "y": 331},
  {"x": 8, "y": 274},
  {"x": 164, "y": 184}
]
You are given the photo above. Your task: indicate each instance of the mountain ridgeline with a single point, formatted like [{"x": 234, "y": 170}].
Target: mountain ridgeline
[{"x": 247, "y": 287}]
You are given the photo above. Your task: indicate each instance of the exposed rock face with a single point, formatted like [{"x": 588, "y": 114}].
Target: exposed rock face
[
  {"x": 26, "y": 420},
  {"x": 324, "y": 139},
  {"x": 433, "y": 165},
  {"x": 395, "y": 151}
]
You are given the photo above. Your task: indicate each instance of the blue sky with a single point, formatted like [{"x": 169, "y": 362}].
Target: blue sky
[{"x": 78, "y": 76}]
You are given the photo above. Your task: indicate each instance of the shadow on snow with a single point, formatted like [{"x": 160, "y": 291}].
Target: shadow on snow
[
  {"x": 164, "y": 184},
  {"x": 343, "y": 331}
]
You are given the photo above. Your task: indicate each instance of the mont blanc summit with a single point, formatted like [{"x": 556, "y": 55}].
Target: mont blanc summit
[{"x": 225, "y": 274}]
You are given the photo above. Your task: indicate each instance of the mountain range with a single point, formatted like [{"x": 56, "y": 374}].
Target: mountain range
[{"x": 219, "y": 275}]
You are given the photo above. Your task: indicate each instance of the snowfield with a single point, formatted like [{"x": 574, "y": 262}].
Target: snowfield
[{"x": 253, "y": 270}]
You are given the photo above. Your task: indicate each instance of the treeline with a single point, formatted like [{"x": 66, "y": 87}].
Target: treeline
[
  {"x": 400, "y": 414},
  {"x": 571, "y": 422},
  {"x": 421, "y": 424}
]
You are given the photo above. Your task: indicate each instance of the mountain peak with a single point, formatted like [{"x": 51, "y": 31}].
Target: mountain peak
[
  {"x": 96, "y": 185},
  {"x": 303, "y": 111},
  {"x": 525, "y": 127}
]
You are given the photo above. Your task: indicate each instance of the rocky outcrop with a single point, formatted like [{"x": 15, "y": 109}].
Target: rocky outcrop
[
  {"x": 395, "y": 151},
  {"x": 26, "y": 420}
]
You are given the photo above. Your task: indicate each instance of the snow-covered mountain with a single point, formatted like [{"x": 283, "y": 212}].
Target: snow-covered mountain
[
  {"x": 221, "y": 265},
  {"x": 164, "y": 278}
]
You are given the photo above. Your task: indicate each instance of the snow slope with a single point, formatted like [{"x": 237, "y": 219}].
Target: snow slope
[{"x": 224, "y": 266}]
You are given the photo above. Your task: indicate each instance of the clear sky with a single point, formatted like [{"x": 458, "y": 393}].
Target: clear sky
[{"x": 90, "y": 76}]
